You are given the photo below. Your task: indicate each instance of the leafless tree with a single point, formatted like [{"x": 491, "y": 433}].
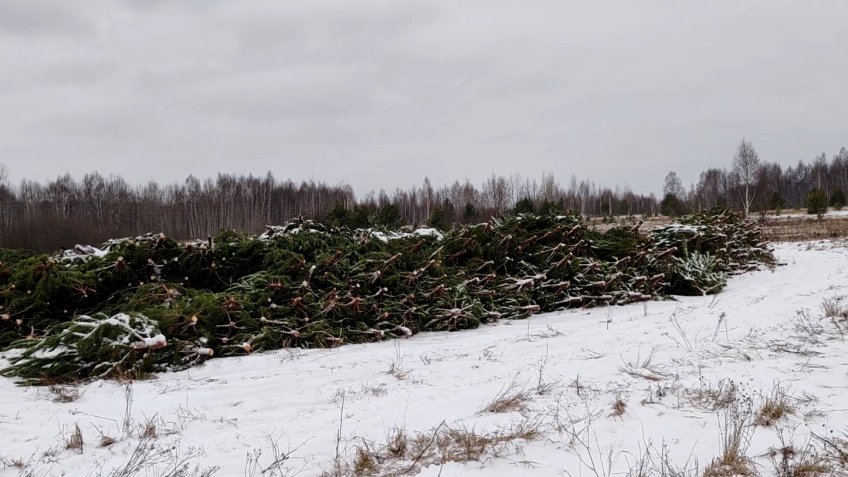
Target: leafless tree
[
  {"x": 66, "y": 211},
  {"x": 673, "y": 186},
  {"x": 746, "y": 165}
]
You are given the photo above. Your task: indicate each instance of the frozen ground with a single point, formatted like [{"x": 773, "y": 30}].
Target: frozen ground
[{"x": 604, "y": 388}]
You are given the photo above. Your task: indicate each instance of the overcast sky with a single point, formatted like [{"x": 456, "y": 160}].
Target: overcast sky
[{"x": 380, "y": 94}]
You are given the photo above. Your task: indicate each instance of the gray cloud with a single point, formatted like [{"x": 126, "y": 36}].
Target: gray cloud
[
  {"x": 40, "y": 17},
  {"x": 381, "y": 93}
]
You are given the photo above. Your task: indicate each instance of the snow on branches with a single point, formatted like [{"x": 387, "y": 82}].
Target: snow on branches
[{"x": 305, "y": 284}]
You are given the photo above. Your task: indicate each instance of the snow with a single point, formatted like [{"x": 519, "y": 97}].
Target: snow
[
  {"x": 273, "y": 231},
  {"x": 83, "y": 253},
  {"x": 385, "y": 236},
  {"x": 765, "y": 328},
  {"x": 153, "y": 342}
]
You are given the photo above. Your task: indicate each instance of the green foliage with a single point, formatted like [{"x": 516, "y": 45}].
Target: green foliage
[
  {"x": 360, "y": 216},
  {"x": 698, "y": 273},
  {"x": 776, "y": 202},
  {"x": 816, "y": 202},
  {"x": 671, "y": 206},
  {"x": 726, "y": 236},
  {"x": 837, "y": 199},
  {"x": 439, "y": 219},
  {"x": 525, "y": 206},
  {"x": 10, "y": 257},
  {"x": 88, "y": 314},
  {"x": 469, "y": 214},
  {"x": 388, "y": 216},
  {"x": 339, "y": 216},
  {"x": 547, "y": 208},
  {"x": 89, "y": 346}
]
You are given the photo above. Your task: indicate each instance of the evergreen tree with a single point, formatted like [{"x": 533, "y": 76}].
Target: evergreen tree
[
  {"x": 524, "y": 206},
  {"x": 606, "y": 208},
  {"x": 670, "y": 206},
  {"x": 816, "y": 202},
  {"x": 339, "y": 216},
  {"x": 550, "y": 208},
  {"x": 469, "y": 214},
  {"x": 837, "y": 199},
  {"x": 360, "y": 217},
  {"x": 439, "y": 218},
  {"x": 388, "y": 216},
  {"x": 776, "y": 202}
]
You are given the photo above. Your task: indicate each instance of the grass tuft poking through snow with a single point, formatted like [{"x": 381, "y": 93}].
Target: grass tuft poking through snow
[
  {"x": 75, "y": 441},
  {"x": 775, "y": 407},
  {"x": 619, "y": 407},
  {"x": 788, "y": 460},
  {"x": 508, "y": 399},
  {"x": 736, "y": 433},
  {"x": 64, "y": 394}
]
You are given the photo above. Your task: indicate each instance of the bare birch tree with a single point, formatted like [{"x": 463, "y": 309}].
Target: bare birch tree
[{"x": 746, "y": 165}]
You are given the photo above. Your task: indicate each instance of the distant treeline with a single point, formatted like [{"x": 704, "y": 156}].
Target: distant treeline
[
  {"x": 68, "y": 210},
  {"x": 754, "y": 186}
]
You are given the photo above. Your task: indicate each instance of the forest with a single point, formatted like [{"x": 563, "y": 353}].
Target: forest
[{"x": 89, "y": 210}]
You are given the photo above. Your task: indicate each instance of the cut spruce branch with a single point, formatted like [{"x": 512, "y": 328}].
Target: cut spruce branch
[{"x": 150, "y": 303}]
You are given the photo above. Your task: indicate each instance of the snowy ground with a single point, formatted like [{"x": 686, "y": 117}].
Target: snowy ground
[{"x": 676, "y": 369}]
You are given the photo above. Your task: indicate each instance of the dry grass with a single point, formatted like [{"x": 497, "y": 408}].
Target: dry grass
[
  {"x": 657, "y": 462},
  {"x": 808, "y": 329},
  {"x": 543, "y": 387},
  {"x": 278, "y": 462},
  {"x": 835, "y": 450},
  {"x": 365, "y": 461},
  {"x": 508, "y": 399},
  {"x": 150, "y": 459},
  {"x": 376, "y": 391},
  {"x": 720, "y": 396},
  {"x": 155, "y": 427},
  {"x": 736, "y": 430},
  {"x": 396, "y": 368},
  {"x": 834, "y": 307},
  {"x": 405, "y": 454},
  {"x": 775, "y": 407},
  {"x": 798, "y": 229},
  {"x": 461, "y": 444},
  {"x": 397, "y": 443},
  {"x": 64, "y": 394},
  {"x": 149, "y": 430},
  {"x": 619, "y": 407},
  {"x": 731, "y": 464},
  {"x": 787, "y": 461},
  {"x": 837, "y": 310},
  {"x": 643, "y": 368},
  {"x": 17, "y": 463},
  {"x": 75, "y": 441}
]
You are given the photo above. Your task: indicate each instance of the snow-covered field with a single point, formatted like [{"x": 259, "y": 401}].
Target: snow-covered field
[{"x": 607, "y": 389}]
